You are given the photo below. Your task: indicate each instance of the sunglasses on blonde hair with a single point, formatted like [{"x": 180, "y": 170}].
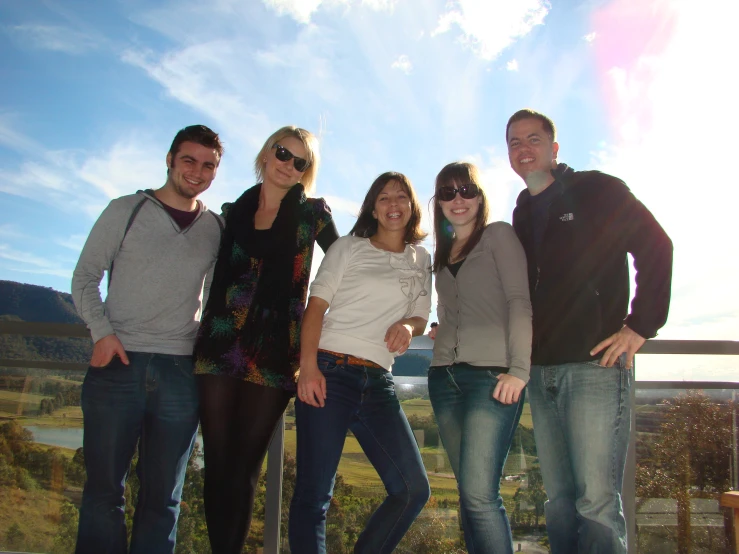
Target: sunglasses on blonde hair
[{"x": 284, "y": 155}]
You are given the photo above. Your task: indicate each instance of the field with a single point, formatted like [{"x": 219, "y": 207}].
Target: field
[
  {"x": 15, "y": 403},
  {"x": 357, "y": 471}
]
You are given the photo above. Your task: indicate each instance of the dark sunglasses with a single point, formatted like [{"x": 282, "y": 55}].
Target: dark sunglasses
[
  {"x": 284, "y": 155},
  {"x": 468, "y": 192}
]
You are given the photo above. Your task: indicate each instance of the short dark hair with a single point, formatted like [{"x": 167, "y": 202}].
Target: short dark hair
[
  {"x": 528, "y": 113},
  {"x": 199, "y": 134},
  {"x": 366, "y": 224},
  {"x": 459, "y": 173}
]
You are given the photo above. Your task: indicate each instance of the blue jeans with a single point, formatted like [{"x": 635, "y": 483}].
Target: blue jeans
[
  {"x": 582, "y": 420},
  {"x": 476, "y": 432},
  {"x": 361, "y": 399},
  {"x": 152, "y": 402}
]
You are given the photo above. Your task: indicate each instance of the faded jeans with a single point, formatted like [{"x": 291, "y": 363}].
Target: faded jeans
[
  {"x": 582, "y": 420},
  {"x": 477, "y": 432}
]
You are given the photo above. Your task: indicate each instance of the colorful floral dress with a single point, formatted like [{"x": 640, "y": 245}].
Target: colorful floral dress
[{"x": 250, "y": 329}]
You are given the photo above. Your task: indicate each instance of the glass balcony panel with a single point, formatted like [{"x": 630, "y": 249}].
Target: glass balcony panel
[
  {"x": 359, "y": 491},
  {"x": 685, "y": 459},
  {"x": 685, "y": 448}
]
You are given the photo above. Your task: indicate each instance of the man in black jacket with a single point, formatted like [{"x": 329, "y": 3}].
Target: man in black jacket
[{"x": 577, "y": 228}]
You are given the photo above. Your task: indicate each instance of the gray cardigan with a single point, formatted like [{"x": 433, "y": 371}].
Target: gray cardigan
[
  {"x": 154, "y": 300},
  {"x": 485, "y": 312}
]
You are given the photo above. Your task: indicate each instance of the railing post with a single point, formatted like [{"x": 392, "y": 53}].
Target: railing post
[
  {"x": 273, "y": 494},
  {"x": 628, "y": 491}
]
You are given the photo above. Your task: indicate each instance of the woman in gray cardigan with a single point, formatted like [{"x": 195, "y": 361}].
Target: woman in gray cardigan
[{"x": 482, "y": 350}]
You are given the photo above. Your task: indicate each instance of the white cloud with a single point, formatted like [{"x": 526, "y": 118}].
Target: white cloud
[
  {"x": 512, "y": 65},
  {"x": 403, "y": 63},
  {"x": 189, "y": 76},
  {"x": 380, "y": 5},
  {"x": 9, "y": 231},
  {"x": 345, "y": 205},
  {"x": 52, "y": 37},
  {"x": 501, "y": 184},
  {"x": 665, "y": 150},
  {"x": 128, "y": 166},
  {"x": 590, "y": 37},
  {"x": 302, "y": 10},
  {"x": 84, "y": 182},
  {"x": 73, "y": 242},
  {"x": 488, "y": 27},
  {"x": 30, "y": 263},
  {"x": 12, "y": 139}
]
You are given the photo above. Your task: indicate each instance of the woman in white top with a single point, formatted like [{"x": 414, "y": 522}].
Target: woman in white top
[
  {"x": 377, "y": 283},
  {"x": 482, "y": 350}
]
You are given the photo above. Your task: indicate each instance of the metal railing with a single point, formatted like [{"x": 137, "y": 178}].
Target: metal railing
[{"x": 273, "y": 501}]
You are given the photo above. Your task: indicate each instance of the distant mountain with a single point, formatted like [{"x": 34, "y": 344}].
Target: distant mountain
[
  {"x": 23, "y": 302},
  {"x": 414, "y": 363},
  {"x": 34, "y": 303}
]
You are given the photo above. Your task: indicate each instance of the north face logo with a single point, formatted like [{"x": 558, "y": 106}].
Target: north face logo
[{"x": 566, "y": 217}]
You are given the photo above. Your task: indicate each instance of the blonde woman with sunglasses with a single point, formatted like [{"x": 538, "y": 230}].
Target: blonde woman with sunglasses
[
  {"x": 482, "y": 350},
  {"x": 247, "y": 353}
]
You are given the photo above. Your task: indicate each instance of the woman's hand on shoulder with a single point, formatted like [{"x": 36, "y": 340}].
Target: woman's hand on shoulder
[
  {"x": 312, "y": 386},
  {"x": 508, "y": 390},
  {"x": 398, "y": 337}
]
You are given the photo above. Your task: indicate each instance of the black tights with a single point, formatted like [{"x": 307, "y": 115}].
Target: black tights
[{"x": 237, "y": 419}]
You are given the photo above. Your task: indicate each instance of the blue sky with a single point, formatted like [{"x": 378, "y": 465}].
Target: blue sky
[{"x": 94, "y": 92}]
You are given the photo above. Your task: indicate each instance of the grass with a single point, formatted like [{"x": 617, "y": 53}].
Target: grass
[
  {"x": 417, "y": 406},
  {"x": 70, "y": 416},
  {"x": 17, "y": 403},
  {"x": 357, "y": 471},
  {"x": 35, "y": 512}
]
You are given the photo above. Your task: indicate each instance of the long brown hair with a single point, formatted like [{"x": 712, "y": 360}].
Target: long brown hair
[
  {"x": 366, "y": 224},
  {"x": 458, "y": 173}
]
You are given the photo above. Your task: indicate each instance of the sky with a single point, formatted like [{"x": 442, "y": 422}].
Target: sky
[{"x": 93, "y": 93}]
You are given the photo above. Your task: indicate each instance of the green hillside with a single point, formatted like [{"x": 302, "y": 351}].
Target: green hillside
[{"x": 23, "y": 302}]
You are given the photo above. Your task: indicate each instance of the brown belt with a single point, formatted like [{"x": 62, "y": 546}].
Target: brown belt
[{"x": 347, "y": 359}]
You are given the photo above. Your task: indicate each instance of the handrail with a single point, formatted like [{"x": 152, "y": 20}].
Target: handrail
[{"x": 33, "y": 328}]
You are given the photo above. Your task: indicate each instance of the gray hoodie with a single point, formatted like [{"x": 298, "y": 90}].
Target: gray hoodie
[{"x": 155, "y": 293}]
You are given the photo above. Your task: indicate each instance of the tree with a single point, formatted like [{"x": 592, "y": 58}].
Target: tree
[
  {"x": 530, "y": 493},
  {"x": 66, "y": 536},
  {"x": 691, "y": 457},
  {"x": 14, "y": 537}
]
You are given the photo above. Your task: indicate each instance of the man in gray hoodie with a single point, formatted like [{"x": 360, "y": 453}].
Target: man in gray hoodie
[{"x": 157, "y": 246}]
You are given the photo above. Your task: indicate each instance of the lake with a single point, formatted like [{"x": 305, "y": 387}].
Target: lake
[{"x": 71, "y": 437}]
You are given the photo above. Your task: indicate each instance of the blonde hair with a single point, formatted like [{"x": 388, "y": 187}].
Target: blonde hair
[{"x": 309, "y": 140}]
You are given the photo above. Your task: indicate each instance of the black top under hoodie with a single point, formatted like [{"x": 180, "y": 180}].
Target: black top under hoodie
[{"x": 579, "y": 279}]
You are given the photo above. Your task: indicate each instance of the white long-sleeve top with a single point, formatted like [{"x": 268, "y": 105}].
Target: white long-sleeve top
[{"x": 368, "y": 290}]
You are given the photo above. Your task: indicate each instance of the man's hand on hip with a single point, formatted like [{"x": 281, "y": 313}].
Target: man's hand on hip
[
  {"x": 625, "y": 340},
  {"x": 105, "y": 349}
]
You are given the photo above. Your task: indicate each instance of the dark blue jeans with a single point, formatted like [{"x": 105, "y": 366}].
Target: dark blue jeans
[
  {"x": 582, "y": 421},
  {"x": 476, "y": 432},
  {"x": 361, "y": 399},
  {"x": 152, "y": 402}
]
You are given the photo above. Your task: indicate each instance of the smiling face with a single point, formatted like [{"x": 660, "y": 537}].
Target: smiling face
[
  {"x": 392, "y": 208},
  {"x": 461, "y": 212},
  {"x": 192, "y": 169},
  {"x": 283, "y": 174},
  {"x": 531, "y": 150}
]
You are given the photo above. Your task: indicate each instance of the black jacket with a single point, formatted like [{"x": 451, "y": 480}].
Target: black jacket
[{"x": 580, "y": 279}]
